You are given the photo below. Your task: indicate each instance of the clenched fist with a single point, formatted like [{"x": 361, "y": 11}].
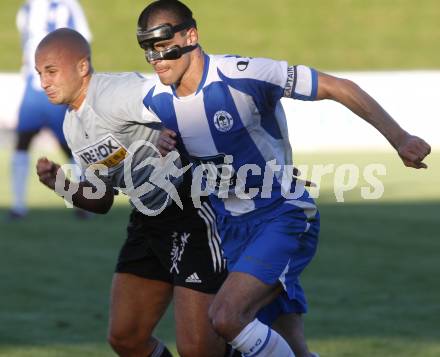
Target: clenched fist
[
  {"x": 47, "y": 172},
  {"x": 412, "y": 151}
]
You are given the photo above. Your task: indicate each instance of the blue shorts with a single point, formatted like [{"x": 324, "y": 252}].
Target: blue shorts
[
  {"x": 273, "y": 244},
  {"x": 36, "y": 112}
]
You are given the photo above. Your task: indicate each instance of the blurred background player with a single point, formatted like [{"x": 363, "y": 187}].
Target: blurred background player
[{"x": 35, "y": 19}]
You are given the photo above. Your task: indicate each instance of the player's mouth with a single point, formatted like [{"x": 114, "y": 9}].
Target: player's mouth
[
  {"x": 160, "y": 70},
  {"x": 51, "y": 95}
]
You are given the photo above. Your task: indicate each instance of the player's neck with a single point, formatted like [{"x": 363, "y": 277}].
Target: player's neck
[
  {"x": 81, "y": 96},
  {"x": 191, "y": 79}
]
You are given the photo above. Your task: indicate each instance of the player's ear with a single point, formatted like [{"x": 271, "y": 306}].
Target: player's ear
[
  {"x": 193, "y": 36},
  {"x": 84, "y": 66}
]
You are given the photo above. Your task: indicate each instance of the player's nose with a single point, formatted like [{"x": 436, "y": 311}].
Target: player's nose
[{"x": 44, "y": 82}]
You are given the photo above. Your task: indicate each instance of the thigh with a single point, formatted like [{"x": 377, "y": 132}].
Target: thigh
[
  {"x": 137, "y": 304},
  {"x": 193, "y": 328}
]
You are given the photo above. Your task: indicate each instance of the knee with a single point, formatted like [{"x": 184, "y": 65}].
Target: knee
[
  {"x": 225, "y": 319},
  {"x": 120, "y": 342},
  {"x": 124, "y": 342}
]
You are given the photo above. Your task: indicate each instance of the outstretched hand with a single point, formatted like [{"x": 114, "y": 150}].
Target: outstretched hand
[
  {"x": 47, "y": 172},
  {"x": 167, "y": 141},
  {"x": 413, "y": 151}
]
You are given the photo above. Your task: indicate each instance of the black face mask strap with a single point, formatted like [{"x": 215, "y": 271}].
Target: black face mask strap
[
  {"x": 187, "y": 49},
  {"x": 184, "y": 26},
  {"x": 154, "y": 34},
  {"x": 172, "y": 53}
]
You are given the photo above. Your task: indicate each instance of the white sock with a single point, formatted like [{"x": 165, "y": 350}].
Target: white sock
[
  {"x": 19, "y": 175},
  {"x": 257, "y": 339}
]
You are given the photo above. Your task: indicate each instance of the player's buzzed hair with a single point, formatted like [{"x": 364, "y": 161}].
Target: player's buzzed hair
[
  {"x": 68, "y": 40},
  {"x": 178, "y": 11}
]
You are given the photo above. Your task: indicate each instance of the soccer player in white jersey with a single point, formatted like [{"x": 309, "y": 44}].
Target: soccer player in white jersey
[
  {"x": 173, "y": 253},
  {"x": 35, "y": 19},
  {"x": 226, "y": 113}
]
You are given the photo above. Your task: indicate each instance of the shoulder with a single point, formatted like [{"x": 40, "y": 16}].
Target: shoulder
[
  {"x": 112, "y": 89},
  {"x": 119, "y": 82},
  {"x": 248, "y": 67},
  {"x": 119, "y": 96}
]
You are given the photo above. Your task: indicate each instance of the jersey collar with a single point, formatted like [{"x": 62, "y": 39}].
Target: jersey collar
[{"x": 204, "y": 76}]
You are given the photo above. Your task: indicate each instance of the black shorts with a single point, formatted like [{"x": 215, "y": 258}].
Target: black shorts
[{"x": 179, "y": 247}]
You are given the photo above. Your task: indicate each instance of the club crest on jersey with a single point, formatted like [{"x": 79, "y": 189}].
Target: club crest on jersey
[
  {"x": 223, "y": 121},
  {"x": 107, "y": 151},
  {"x": 242, "y": 65}
]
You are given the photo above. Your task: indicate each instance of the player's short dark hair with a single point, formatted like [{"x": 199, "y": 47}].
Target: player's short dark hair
[{"x": 178, "y": 10}]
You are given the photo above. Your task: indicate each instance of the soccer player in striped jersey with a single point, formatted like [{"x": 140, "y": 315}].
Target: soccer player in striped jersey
[
  {"x": 35, "y": 19},
  {"x": 169, "y": 253},
  {"x": 224, "y": 113}
]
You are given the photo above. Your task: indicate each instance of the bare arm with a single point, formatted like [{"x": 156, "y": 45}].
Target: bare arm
[
  {"x": 48, "y": 171},
  {"x": 411, "y": 149}
]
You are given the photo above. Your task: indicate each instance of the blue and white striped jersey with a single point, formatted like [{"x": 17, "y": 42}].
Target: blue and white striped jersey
[
  {"x": 36, "y": 18},
  {"x": 236, "y": 122}
]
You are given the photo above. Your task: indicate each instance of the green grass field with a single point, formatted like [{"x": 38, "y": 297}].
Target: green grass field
[
  {"x": 329, "y": 35},
  {"x": 373, "y": 287}
]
